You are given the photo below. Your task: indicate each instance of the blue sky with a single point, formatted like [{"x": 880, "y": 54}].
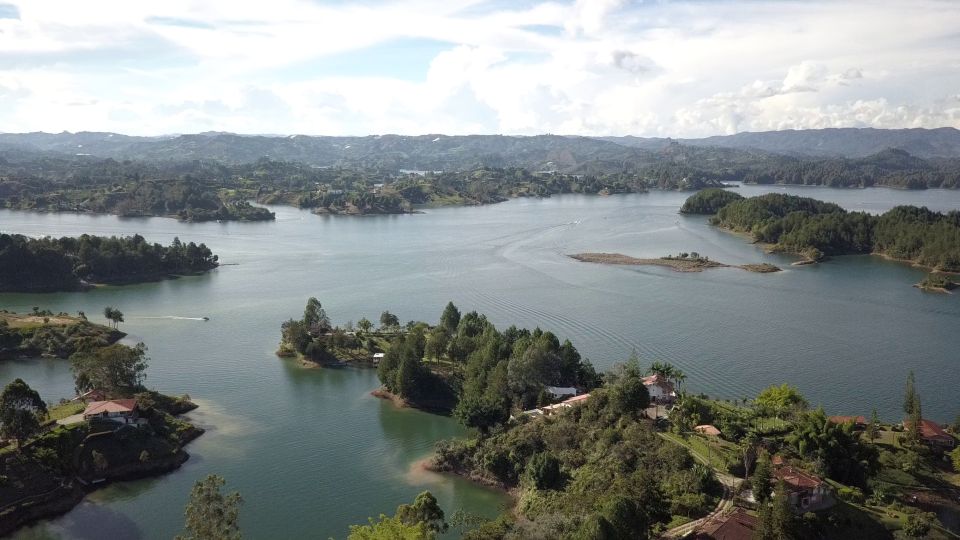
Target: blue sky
[{"x": 591, "y": 67}]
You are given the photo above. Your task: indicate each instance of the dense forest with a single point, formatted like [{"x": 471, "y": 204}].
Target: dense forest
[
  {"x": 709, "y": 201},
  {"x": 816, "y": 228},
  {"x": 66, "y": 264}
]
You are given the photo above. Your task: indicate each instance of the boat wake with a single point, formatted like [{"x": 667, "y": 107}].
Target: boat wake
[{"x": 176, "y": 318}]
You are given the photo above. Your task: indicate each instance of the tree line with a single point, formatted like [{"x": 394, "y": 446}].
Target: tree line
[
  {"x": 816, "y": 229},
  {"x": 66, "y": 264}
]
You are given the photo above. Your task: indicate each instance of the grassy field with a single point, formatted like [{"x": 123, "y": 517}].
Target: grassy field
[
  {"x": 64, "y": 410},
  {"x": 35, "y": 321}
]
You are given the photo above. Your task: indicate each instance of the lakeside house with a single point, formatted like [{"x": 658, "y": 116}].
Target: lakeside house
[
  {"x": 859, "y": 422},
  {"x": 933, "y": 434},
  {"x": 660, "y": 389},
  {"x": 807, "y": 492},
  {"x": 91, "y": 395},
  {"x": 550, "y": 409},
  {"x": 557, "y": 392},
  {"x": 377, "y": 357},
  {"x": 736, "y": 525},
  {"x": 123, "y": 411}
]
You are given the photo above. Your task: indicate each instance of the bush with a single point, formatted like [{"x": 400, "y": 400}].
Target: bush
[
  {"x": 543, "y": 472},
  {"x": 851, "y": 495}
]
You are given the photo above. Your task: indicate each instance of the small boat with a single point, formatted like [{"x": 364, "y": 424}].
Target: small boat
[{"x": 205, "y": 318}]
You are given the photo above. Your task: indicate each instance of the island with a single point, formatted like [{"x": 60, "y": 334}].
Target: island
[
  {"x": 634, "y": 453},
  {"x": 816, "y": 229},
  {"x": 683, "y": 262},
  {"x": 72, "y": 264},
  {"x": 113, "y": 429}
]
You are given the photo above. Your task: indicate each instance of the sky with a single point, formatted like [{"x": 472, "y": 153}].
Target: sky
[{"x": 517, "y": 67}]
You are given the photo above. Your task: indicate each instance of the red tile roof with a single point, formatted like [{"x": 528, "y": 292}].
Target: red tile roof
[
  {"x": 738, "y": 525},
  {"x": 110, "y": 406},
  {"x": 577, "y": 399},
  {"x": 931, "y": 431},
  {"x": 796, "y": 479}
]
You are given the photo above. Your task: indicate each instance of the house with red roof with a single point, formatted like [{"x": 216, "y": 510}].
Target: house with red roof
[
  {"x": 660, "y": 389},
  {"x": 737, "y": 525},
  {"x": 123, "y": 411},
  {"x": 807, "y": 492},
  {"x": 933, "y": 434}
]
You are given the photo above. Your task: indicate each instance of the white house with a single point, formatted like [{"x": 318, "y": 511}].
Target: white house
[
  {"x": 660, "y": 389},
  {"x": 558, "y": 392},
  {"x": 123, "y": 411},
  {"x": 377, "y": 357}
]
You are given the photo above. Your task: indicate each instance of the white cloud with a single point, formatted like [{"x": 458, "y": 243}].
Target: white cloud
[{"x": 587, "y": 67}]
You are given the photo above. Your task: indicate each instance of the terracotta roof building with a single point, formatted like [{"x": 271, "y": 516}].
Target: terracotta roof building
[
  {"x": 737, "y": 525},
  {"x": 932, "y": 433},
  {"x": 118, "y": 410},
  {"x": 807, "y": 492},
  {"x": 707, "y": 429},
  {"x": 660, "y": 389}
]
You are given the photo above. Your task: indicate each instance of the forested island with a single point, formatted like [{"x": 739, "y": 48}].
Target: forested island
[
  {"x": 816, "y": 229},
  {"x": 632, "y": 453},
  {"x": 70, "y": 264},
  {"x": 114, "y": 429}
]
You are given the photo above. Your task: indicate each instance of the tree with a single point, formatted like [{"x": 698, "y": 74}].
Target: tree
[
  {"x": 315, "y": 317},
  {"x": 748, "y": 451},
  {"x": 776, "y": 520},
  {"x": 211, "y": 515},
  {"x": 424, "y": 509},
  {"x": 364, "y": 324},
  {"x": 762, "y": 475},
  {"x": 916, "y": 420},
  {"x": 450, "y": 318},
  {"x": 543, "y": 472},
  {"x": 390, "y": 529},
  {"x": 20, "y": 410},
  {"x": 910, "y": 394},
  {"x": 955, "y": 458},
  {"x": 115, "y": 369},
  {"x": 481, "y": 412},
  {"x": 781, "y": 399},
  {"x": 437, "y": 341},
  {"x": 389, "y": 320},
  {"x": 113, "y": 315},
  {"x": 628, "y": 394},
  {"x": 837, "y": 446},
  {"x": 873, "y": 429}
]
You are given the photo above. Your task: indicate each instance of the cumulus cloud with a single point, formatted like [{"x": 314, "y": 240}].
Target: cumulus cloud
[{"x": 682, "y": 68}]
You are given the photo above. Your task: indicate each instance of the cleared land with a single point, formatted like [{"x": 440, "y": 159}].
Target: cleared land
[{"x": 677, "y": 264}]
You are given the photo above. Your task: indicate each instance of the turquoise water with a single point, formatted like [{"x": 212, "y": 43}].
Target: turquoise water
[{"x": 312, "y": 452}]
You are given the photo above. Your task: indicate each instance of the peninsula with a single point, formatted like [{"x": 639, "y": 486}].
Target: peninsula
[{"x": 684, "y": 262}]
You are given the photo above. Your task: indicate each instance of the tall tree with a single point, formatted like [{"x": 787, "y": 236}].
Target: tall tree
[
  {"x": 116, "y": 369},
  {"x": 910, "y": 394},
  {"x": 761, "y": 478},
  {"x": 211, "y": 515},
  {"x": 389, "y": 320},
  {"x": 425, "y": 509},
  {"x": 916, "y": 420},
  {"x": 364, "y": 324},
  {"x": 20, "y": 410},
  {"x": 873, "y": 428},
  {"x": 314, "y": 316},
  {"x": 450, "y": 318}
]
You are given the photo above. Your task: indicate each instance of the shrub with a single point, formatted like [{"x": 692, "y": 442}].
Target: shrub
[{"x": 851, "y": 495}]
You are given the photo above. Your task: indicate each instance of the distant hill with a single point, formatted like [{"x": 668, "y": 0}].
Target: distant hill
[
  {"x": 568, "y": 154},
  {"x": 842, "y": 142}
]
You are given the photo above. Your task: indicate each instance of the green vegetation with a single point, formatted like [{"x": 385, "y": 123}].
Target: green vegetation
[
  {"x": 43, "y": 333},
  {"x": 937, "y": 282},
  {"x": 709, "y": 201},
  {"x": 67, "y": 264},
  {"x": 815, "y": 229},
  {"x": 20, "y": 411},
  {"x": 422, "y": 520},
  {"x": 211, "y": 515},
  {"x": 117, "y": 369},
  {"x": 598, "y": 466}
]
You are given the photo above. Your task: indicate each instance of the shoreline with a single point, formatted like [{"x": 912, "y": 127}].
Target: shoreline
[{"x": 675, "y": 264}]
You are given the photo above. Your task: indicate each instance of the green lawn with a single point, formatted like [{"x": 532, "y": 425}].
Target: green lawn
[{"x": 60, "y": 412}]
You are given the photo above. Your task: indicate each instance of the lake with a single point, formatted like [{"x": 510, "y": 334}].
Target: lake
[{"x": 312, "y": 452}]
